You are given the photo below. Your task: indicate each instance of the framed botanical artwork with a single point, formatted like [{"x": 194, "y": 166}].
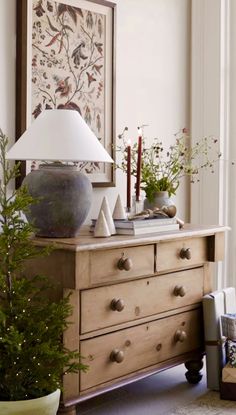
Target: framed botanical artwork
[{"x": 66, "y": 60}]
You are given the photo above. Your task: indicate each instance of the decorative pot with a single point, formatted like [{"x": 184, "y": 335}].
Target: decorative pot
[
  {"x": 64, "y": 198},
  {"x": 161, "y": 199},
  {"x": 47, "y": 405}
]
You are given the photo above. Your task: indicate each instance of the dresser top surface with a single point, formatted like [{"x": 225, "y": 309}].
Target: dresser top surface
[{"x": 86, "y": 241}]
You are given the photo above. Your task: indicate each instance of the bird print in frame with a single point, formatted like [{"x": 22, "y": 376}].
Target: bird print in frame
[{"x": 70, "y": 62}]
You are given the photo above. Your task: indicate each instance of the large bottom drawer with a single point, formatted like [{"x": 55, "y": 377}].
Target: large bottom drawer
[{"x": 117, "y": 354}]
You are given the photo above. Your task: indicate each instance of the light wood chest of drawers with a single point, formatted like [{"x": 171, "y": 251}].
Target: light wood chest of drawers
[{"x": 136, "y": 304}]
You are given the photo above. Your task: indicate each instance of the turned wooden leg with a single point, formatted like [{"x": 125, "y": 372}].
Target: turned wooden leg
[
  {"x": 71, "y": 410},
  {"x": 193, "y": 374}
]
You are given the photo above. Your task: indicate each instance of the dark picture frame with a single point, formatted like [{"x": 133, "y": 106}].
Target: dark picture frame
[{"x": 66, "y": 59}]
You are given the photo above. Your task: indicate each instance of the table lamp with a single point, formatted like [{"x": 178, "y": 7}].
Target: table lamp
[{"x": 64, "y": 194}]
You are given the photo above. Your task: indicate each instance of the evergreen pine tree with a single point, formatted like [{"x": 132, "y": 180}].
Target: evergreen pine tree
[{"x": 32, "y": 355}]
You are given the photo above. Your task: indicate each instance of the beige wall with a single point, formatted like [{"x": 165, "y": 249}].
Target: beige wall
[
  {"x": 231, "y": 275},
  {"x": 7, "y": 66},
  {"x": 152, "y": 75}
]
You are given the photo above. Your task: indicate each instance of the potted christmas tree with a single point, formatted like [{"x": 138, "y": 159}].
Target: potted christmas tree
[{"x": 32, "y": 355}]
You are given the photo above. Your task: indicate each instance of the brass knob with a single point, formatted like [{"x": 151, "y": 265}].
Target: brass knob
[
  {"x": 125, "y": 264},
  {"x": 179, "y": 291},
  {"x": 117, "y": 356},
  {"x": 180, "y": 336},
  {"x": 185, "y": 253},
  {"x": 117, "y": 304}
]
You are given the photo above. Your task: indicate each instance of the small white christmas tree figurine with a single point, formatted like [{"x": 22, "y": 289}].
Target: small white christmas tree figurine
[
  {"x": 101, "y": 228},
  {"x": 119, "y": 211},
  {"x": 107, "y": 212}
]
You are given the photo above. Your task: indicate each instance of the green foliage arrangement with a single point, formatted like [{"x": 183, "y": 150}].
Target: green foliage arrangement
[
  {"x": 32, "y": 355},
  {"x": 162, "y": 170}
]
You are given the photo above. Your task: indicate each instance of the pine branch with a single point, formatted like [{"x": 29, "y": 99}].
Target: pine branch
[{"x": 32, "y": 355}]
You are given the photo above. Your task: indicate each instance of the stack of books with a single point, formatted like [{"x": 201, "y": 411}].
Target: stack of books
[
  {"x": 228, "y": 322},
  {"x": 142, "y": 226}
]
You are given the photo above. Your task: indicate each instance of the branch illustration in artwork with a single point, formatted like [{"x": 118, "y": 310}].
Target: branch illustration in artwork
[{"x": 70, "y": 41}]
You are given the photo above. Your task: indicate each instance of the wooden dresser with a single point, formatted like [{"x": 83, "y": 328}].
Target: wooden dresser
[{"x": 137, "y": 304}]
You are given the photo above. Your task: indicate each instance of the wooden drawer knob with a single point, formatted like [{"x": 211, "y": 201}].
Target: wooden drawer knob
[
  {"x": 125, "y": 264},
  {"x": 180, "y": 336},
  {"x": 159, "y": 347},
  {"x": 185, "y": 253},
  {"x": 117, "y": 356},
  {"x": 179, "y": 291},
  {"x": 117, "y": 304}
]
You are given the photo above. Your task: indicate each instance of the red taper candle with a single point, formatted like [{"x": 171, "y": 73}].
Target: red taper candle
[
  {"x": 128, "y": 204},
  {"x": 139, "y": 161}
]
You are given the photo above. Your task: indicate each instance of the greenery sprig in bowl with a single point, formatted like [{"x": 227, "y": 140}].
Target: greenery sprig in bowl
[{"x": 162, "y": 169}]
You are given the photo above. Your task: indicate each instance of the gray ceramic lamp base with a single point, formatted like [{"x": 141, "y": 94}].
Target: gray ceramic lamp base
[{"x": 64, "y": 199}]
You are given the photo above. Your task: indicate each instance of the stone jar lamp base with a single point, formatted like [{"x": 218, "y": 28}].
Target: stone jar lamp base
[{"x": 64, "y": 198}]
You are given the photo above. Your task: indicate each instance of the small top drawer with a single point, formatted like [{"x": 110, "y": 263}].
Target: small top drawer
[
  {"x": 182, "y": 253},
  {"x": 121, "y": 263}
]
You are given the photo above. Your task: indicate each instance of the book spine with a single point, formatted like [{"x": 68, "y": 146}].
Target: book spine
[
  {"x": 145, "y": 223},
  {"x": 150, "y": 229},
  {"x": 161, "y": 228},
  {"x": 162, "y": 223}
]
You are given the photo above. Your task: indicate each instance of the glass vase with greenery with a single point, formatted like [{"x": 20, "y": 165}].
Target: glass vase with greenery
[{"x": 162, "y": 169}]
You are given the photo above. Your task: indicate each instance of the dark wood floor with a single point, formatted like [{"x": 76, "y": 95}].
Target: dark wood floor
[{"x": 156, "y": 395}]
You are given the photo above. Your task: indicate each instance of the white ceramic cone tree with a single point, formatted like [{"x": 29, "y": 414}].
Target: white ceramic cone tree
[
  {"x": 101, "y": 228},
  {"x": 107, "y": 212},
  {"x": 119, "y": 211}
]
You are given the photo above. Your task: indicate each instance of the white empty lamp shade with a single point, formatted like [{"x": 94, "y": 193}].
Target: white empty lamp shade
[{"x": 59, "y": 135}]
